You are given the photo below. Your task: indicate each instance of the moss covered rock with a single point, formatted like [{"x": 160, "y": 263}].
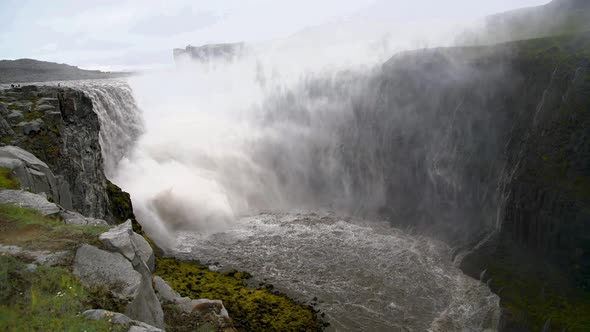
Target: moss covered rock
[{"x": 250, "y": 309}]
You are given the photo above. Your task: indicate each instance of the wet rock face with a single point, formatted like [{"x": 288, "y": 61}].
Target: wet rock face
[
  {"x": 548, "y": 199},
  {"x": 492, "y": 138},
  {"x": 60, "y": 127}
]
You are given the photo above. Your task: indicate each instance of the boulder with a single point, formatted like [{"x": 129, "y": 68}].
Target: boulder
[
  {"x": 119, "y": 319},
  {"x": 53, "y": 116},
  {"x": 30, "y": 127},
  {"x": 15, "y": 116},
  {"x": 146, "y": 307},
  {"x": 34, "y": 175},
  {"x": 165, "y": 293},
  {"x": 203, "y": 306},
  {"x": 74, "y": 218},
  {"x": 95, "y": 267},
  {"x": 133, "y": 246},
  {"x": 5, "y": 129},
  {"x": 29, "y": 200},
  {"x": 45, "y": 108},
  {"x": 144, "y": 251},
  {"x": 118, "y": 239},
  {"x": 136, "y": 328}
]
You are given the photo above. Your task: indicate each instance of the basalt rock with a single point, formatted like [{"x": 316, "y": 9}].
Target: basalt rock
[
  {"x": 29, "y": 200},
  {"x": 99, "y": 268},
  {"x": 60, "y": 127},
  {"x": 34, "y": 175},
  {"x": 145, "y": 305}
]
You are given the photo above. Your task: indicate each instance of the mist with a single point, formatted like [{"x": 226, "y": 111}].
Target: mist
[{"x": 290, "y": 125}]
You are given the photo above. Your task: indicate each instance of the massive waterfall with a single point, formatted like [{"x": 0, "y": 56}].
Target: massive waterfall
[
  {"x": 120, "y": 119},
  {"x": 256, "y": 165}
]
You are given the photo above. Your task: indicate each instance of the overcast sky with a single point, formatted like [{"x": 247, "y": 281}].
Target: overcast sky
[{"x": 141, "y": 33}]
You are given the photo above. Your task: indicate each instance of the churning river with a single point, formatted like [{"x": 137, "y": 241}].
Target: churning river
[{"x": 365, "y": 276}]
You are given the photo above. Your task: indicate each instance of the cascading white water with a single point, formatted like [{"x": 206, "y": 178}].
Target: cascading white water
[{"x": 120, "y": 118}]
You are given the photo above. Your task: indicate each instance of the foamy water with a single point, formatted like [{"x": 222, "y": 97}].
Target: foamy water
[{"x": 366, "y": 276}]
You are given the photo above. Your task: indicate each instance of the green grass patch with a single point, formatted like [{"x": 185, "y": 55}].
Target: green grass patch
[
  {"x": 7, "y": 179},
  {"x": 7, "y": 140},
  {"x": 32, "y": 115},
  {"x": 250, "y": 309},
  {"x": 29, "y": 229},
  {"x": 46, "y": 299}
]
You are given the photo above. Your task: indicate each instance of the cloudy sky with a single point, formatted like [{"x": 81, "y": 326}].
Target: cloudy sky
[{"x": 120, "y": 34}]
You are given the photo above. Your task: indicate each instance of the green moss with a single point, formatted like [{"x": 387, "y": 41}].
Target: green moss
[
  {"x": 121, "y": 205},
  {"x": 29, "y": 116},
  {"x": 7, "y": 179},
  {"x": 6, "y": 140},
  {"x": 29, "y": 229},
  {"x": 33, "y": 114},
  {"x": 177, "y": 320},
  {"x": 250, "y": 309},
  {"x": 47, "y": 299}
]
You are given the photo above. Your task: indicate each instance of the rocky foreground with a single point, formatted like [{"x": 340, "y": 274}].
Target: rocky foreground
[{"x": 119, "y": 261}]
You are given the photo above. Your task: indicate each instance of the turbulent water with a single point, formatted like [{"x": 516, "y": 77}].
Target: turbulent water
[{"x": 365, "y": 276}]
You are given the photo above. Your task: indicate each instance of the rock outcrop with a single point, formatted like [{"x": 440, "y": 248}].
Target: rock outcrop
[
  {"x": 29, "y": 200},
  {"x": 499, "y": 146},
  {"x": 133, "y": 246},
  {"x": 34, "y": 175},
  {"x": 99, "y": 268},
  {"x": 126, "y": 271},
  {"x": 187, "y": 305},
  {"x": 60, "y": 127}
]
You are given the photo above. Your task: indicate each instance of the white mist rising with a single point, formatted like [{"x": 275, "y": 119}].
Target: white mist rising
[{"x": 209, "y": 150}]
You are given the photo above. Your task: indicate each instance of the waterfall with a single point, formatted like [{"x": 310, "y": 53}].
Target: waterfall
[
  {"x": 121, "y": 121},
  {"x": 231, "y": 153}
]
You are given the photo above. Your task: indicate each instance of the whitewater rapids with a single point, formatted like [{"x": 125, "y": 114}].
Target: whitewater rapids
[{"x": 365, "y": 276}]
